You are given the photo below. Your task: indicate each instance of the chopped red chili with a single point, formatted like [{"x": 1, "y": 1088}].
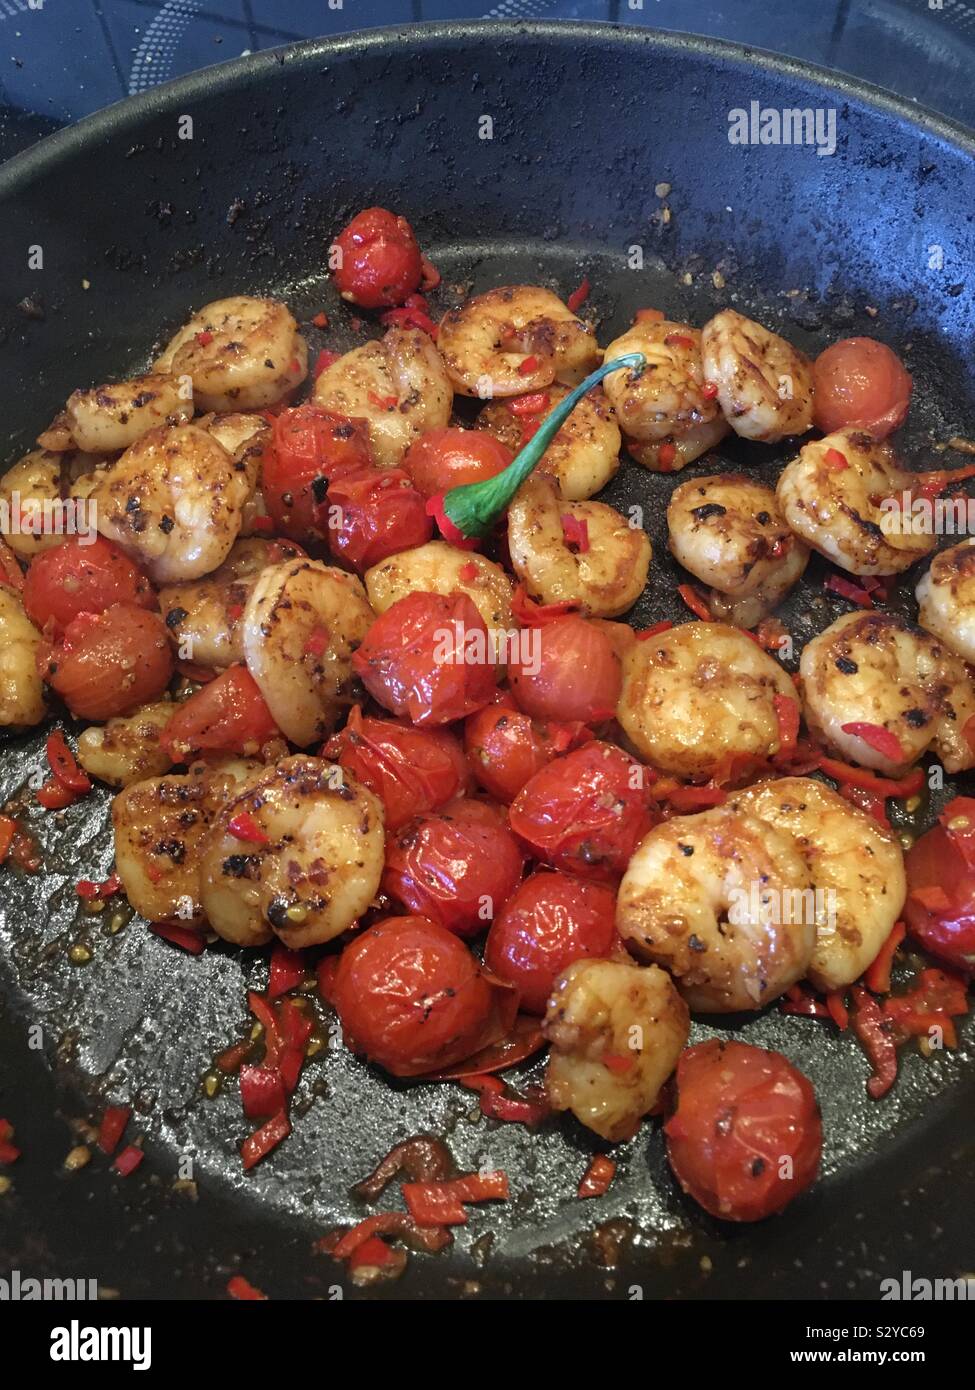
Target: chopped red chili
[
  {"x": 112, "y": 1127},
  {"x": 242, "y": 1289},
  {"x": 653, "y": 631},
  {"x": 128, "y": 1160},
  {"x": 64, "y": 764},
  {"x": 286, "y": 973},
  {"x": 184, "y": 937},
  {"x": 695, "y": 601},
  {"x": 8, "y": 828},
  {"x": 835, "y": 461},
  {"x": 442, "y": 1203},
  {"x": 836, "y": 584},
  {"x": 876, "y": 977},
  {"x": 245, "y": 827},
  {"x": 887, "y": 744},
  {"x": 533, "y": 404},
  {"x": 597, "y": 1177},
  {"x": 846, "y": 775},
  {"x": 578, "y": 297},
  {"x": 787, "y": 713},
  {"x": 667, "y": 455},
  {"x": 513, "y": 1109},
  {"x": 576, "y": 532},
  {"x": 528, "y": 365},
  {"x": 54, "y": 796},
  {"x": 872, "y": 1029},
  {"x": 258, "y": 1145}
]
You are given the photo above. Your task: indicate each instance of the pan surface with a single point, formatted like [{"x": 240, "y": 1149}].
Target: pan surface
[{"x": 600, "y": 141}]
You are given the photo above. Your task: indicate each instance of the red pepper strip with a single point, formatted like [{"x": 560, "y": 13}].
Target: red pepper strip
[
  {"x": 666, "y": 455},
  {"x": 835, "y": 461},
  {"x": 931, "y": 897},
  {"x": 846, "y": 774},
  {"x": 442, "y": 1203},
  {"x": 323, "y": 361},
  {"x": 597, "y": 1177},
  {"x": 297, "y": 1029},
  {"x": 871, "y": 1028},
  {"x": 261, "y": 1091},
  {"x": 184, "y": 937},
  {"x": 287, "y": 971},
  {"x": 242, "y": 1289},
  {"x": 802, "y": 1002},
  {"x": 8, "y": 829},
  {"x": 528, "y": 613},
  {"x": 695, "y": 601},
  {"x": 935, "y": 482},
  {"x": 383, "y": 402},
  {"x": 259, "y": 1144},
  {"x": 787, "y": 714},
  {"x": 529, "y": 365},
  {"x": 268, "y": 1019},
  {"x": 876, "y": 977},
  {"x": 112, "y": 1127},
  {"x": 233, "y": 1057},
  {"x": 936, "y": 995},
  {"x": 64, "y": 765},
  {"x": 653, "y": 631},
  {"x": 836, "y": 1007},
  {"x": 575, "y": 532},
  {"x": 836, "y": 584},
  {"x": 128, "y": 1160},
  {"x": 430, "y": 275},
  {"x": 483, "y": 1083},
  {"x": 245, "y": 827},
  {"x": 535, "y": 403},
  {"x": 885, "y": 743},
  {"x": 410, "y": 318},
  {"x": 374, "y": 1253},
  {"x": 54, "y": 797},
  {"x": 513, "y": 1109},
  {"x": 958, "y": 818},
  {"x": 578, "y": 297},
  {"x": 85, "y": 888},
  {"x": 678, "y": 340},
  {"x": 395, "y": 1223},
  {"x": 696, "y": 798},
  {"x": 872, "y": 802}
]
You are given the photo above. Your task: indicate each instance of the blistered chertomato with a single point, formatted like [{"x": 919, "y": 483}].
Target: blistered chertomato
[
  {"x": 566, "y": 669},
  {"x": 378, "y": 260},
  {"x": 229, "y": 714},
  {"x": 108, "y": 663},
  {"x": 746, "y": 1136},
  {"x": 506, "y": 747},
  {"x": 82, "y": 577},
  {"x": 410, "y": 770},
  {"x": 446, "y": 458},
  {"x": 585, "y": 813},
  {"x": 456, "y": 866},
  {"x": 940, "y": 909},
  {"x": 411, "y": 997},
  {"x": 373, "y": 513},
  {"x": 549, "y": 921},
  {"x": 427, "y": 658},
  {"x": 311, "y": 447},
  {"x": 860, "y": 384}
]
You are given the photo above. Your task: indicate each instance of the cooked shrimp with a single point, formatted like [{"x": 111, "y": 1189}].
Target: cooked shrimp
[
  {"x": 585, "y": 453},
  {"x": 855, "y": 864},
  {"x": 729, "y": 532},
  {"x": 174, "y": 501},
  {"x": 126, "y": 749},
  {"x": 698, "y": 695},
  {"x": 616, "y": 1032},
  {"x": 671, "y": 454},
  {"x": 241, "y": 354},
  {"x": 30, "y": 502},
  {"x": 21, "y": 688},
  {"x": 398, "y": 385},
  {"x": 765, "y": 385},
  {"x": 108, "y": 418},
  {"x": 302, "y": 622},
  {"x": 946, "y": 598},
  {"x": 838, "y": 496},
  {"x": 901, "y": 685},
  {"x": 316, "y": 867},
  {"x": 513, "y": 339},
  {"x": 723, "y": 901},
  {"x": 439, "y": 568},
  {"x": 602, "y": 564}
]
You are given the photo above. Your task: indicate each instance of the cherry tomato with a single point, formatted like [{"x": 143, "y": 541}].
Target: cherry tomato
[
  {"x": 78, "y": 577},
  {"x": 311, "y": 447},
  {"x": 860, "y": 384},
  {"x": 446, "y": 458},
  {"x": 228, "y": 714},
  {"x": 741, "y": 1112},
  {"x": 456, "y": 866},
  {"x": 412, "y": 997},
  {"x": 549, "y": 921},
  {"x": 374, "y": 513},
  {"x": 381, "y": 263},
  {"x": 410, "y": 770},
  {"x": 940, "y": 908},
  {"x": 506, "y": 747},
  {"x": 108, "y": 663},
  {"x": 585, "y": 813},
  {"x": 571, "y": 672},
  {"x": 427, "y": 658}
]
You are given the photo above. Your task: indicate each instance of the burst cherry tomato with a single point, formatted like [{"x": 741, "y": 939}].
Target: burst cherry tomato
[
  {"x": 412, "y": 997},
  {"x": 746, "y": 1136},
  {"x": 108, "y": 663},
  {"x": 940, "y": 909},
  {"x": 549, "y": 921},
  {"x": 78, "y": 578},
  {"x": 860, "y": 384},
  {"x": 411, "y": 770},
  {"x": 506, "y": 747},
  {"x": 381, "y": 263},
  {"x": 446, "y": 458},
  {"x": 229, "y": 714},
  {"x": 585, "y": 813},
  {"x": 571, "y": 672},
  {"x": 456, "y": 866},
  {"x": 427, "y": 658},
  {"x": 374, "y": 513},
  {"x": 311, "y": 447}
]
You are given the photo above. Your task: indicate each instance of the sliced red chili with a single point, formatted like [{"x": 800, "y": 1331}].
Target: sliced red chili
[
  {"x": 244, "y": 1291},
  {"x": 112, "y": 1127},
  {"x": 183, "y": 937},
  {"x": 64, "y": 764},
  {"x": 877, "y": 974},
  {"x": 128, "y": 1160},
  {"x": 245, "y": 827},
  {"x": 695, "y": 601},
  {"x": 258, "y": 1145},
  {"x": 598, "y": 1176},
  {"x": 887, "y": 744},
  {"x": 872, "y": 1029},
  {"x": 578, "y": 297}
]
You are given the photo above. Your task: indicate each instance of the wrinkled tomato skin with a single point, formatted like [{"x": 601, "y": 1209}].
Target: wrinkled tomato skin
[
  {"x": 571, "y": 671},
  {"x": 311, "y": 447},
  {"x": 505, "y": 747},
  {"x": 78, "y": 577},
  {"x": 412, "y": 771},
  {"x": 411, "y": 997},
  {"x": 449, "y": 457},
  {"x": 860, "y": 384},
  {"x": 374, "y": 513},
  {"x": 457, "y": 866},
  {"x": 413, "y": 662},
  {"x": 551, "y": 920},
  {"x": 227, "y": 715},
  {"x": 108, "y": 664},
  {"x": 381, "y": 264},
  {"x": 740, "y": 1111},
  {"x": 585, "y": 813},
  {"x": 948, "y": 933}
]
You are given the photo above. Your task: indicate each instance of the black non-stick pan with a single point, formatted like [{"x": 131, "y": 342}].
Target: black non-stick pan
[{"x": 601, "y": 141}]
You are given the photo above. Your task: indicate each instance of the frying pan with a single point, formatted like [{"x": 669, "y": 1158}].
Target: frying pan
[{"x": 137, "y": 225}]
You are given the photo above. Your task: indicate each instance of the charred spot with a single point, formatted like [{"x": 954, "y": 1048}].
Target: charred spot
[
  {"x": 709, "y": 510},
  {"x": 758, "y": 1167},
  {"x": 277, "y": 913},
  {"x": 763, "y": 518},
  {"x": 695, "y": 943},
  {"x": 175, "y": 616},
  {"x": 319, "y": 489},
  {"x": 868, "y": 527},
  {"x": 916, "y": 718},
  {"x": 143, "y": 398},
  {"x": 166, "y": 525},
  {"x": 686, "y": 850},
  {"x": 239, "y": 865},
  {"x": 846, "y": 665},
  {"x": 174, "y": 848},
  {"x": 269, "y": 364},
  {"x": 343, "y": 432}
]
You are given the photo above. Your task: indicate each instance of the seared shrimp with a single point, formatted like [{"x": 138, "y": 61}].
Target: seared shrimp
[
  {"x": 673, "y": 453},
  {"x": 729, "y": 532},
  {"x": 127, "y": 749},
  {"x": 21, "y": 688},
  {"x": 513, "y": 339},
  {"x": 946, "y": 598},
  {"x": 602, "y": 564},
  {"x": 316, "y": 867},
  {"x": 699, "y": 694},
  {"x": 724, "y": 902},
  {"x": 585, "y": 453},
  {"x": 765, "y": 385},
  {"x": 241, "y": 354},
  {"x": 838, "y": 496},
  {"x": 616, "y": 1032},
  {"x": 302, "y": 623},
  {"x": 107, "y": 418},
  {"x": 174, "y": 501},
  {"x": 905, "y": 692},
  {"x": 398, "y": 385},
  {"x": 439, "y": 568},
  {"x": 855, "y": 864},
  {"x": 28, "y": 489}
]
